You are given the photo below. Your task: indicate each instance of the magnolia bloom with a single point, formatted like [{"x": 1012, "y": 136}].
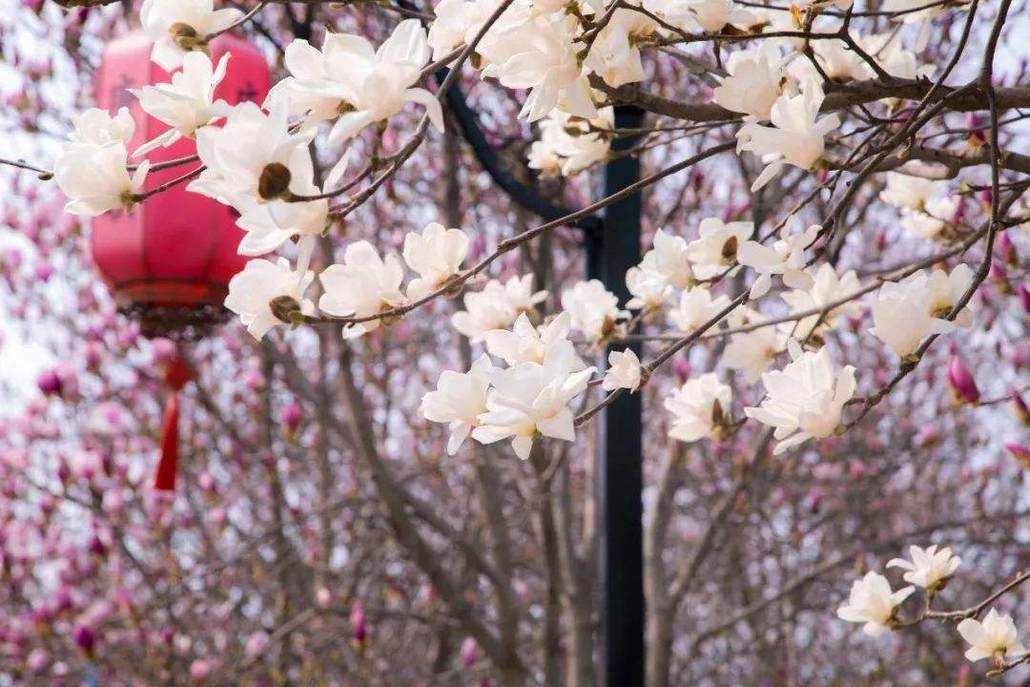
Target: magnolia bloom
[
  {"x": 614, "y": 54},
  {"x": 649, "y": 287},
  {"x": 671, "y": 259},
  {"x": 528, "y": 344},
  {"x": 995, "y": 637},
  {"x": 696, "y": 307},
  {"x": 96, "y": 127},
  {"x": 351, "y": 80},
  {"x": 796, "y": 136},
  {"x": 716, "y": 248},
  {"x": 457, "y": 22},
  {"x": 623, "y": 371},
  {"x": 180, "y": 26},
  {"x": 751, "y": 353},
  {"x": 568, "y": 145},
  {"x": 540, "y": 55},
  {"x": 266, "y": 294},
  {"x": 906, "y": 312},
  {"x": 937, "y": 213},
  {"x": 96, "y": 179},
  {"x": 929, "y": 568},
  {"x": 699, "y": 408},
  {"x": 754, "y": 82},
  {"x": 496, "y": 306},
  {"x": 435, "y": 255},
  {"x": 714, "y": 15},
  {"x": 269, "y": 225},
  {"x": 872, "y": 602},
  {"x": 837, "y": 61},
  {"x": 906, "y": 191},
  {"x": 187, "y": 103},
  {"x": 786, "y": 257},
  {"x": 459, "y": 399},
  {"x": 805, "y": 399},
  {"x": 273, "y": 165},
  {"x": 593, "y": 309},
  {"x": 826, "y": 288},
  {"x": 364, "y": 285},
  {"x": 531, "y": 399}
]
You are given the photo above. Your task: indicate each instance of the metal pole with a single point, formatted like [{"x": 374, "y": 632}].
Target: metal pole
[{"x": 610, "y": 253}]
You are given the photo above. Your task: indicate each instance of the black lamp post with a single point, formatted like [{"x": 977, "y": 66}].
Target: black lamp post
[{"x": 612, "y": 246}]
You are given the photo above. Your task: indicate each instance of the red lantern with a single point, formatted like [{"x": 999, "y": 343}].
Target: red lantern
[{"x": 169, "y": 261}]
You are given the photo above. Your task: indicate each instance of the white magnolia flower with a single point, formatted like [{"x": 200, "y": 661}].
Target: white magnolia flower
[
  {"x": 96, "y": 127},
  {"x": 649, "y": 287},
  {"x": 699, "y": 408},
  {"x": 838, "y": 62},
  {"x": 96, "y": 178},
  {"x": 568, "y": 144},
  {"x": 906, "y": 312},
  {"x": 805, "y": 399},
  {"x": 614, "y": 54},
  {"x": 269, "y": 225},
  {"x": 934, "y": 217},
  {"x": 796, "y": 136},
  {"x": 890, "y": 54},
  {"x": 540, "y": 55},
  {"x": 528, "y": 344},
  {"x": 435, "y": 255},
  {"x": 995, "y": 637},
  {"x": 826, "y": 288},
  {"x": 187, "y": 103},
  {"x": 906, "y": 191},
  {"x": 593, "y": 309},
  {"x": 872, "y": 602},
  {"x": 364, "y": 285},
  {"x": 714, "y": 15},
  {"x": 497, "y": 306},
  {"x": 696, "y": 307},
  {"x": 786, "y": 257},
  {"x": 265, "y": 291},
  {"x": 671, "y": 259},
  {"x": 457, "y": 22},
  {"x": 459, "y": 399},
  {"x": 531, "y": 399},
  {"x": 716, "y": 248},
  {"x": 272, "y": 165},
  {"x": 755, "y": 81},
  {"x": 623, "y": 371},
  {"x": 180, "y": 26},
  {"x": 929, "y": 568},
  {"x": 753, "y": 352},
  {"x": 351, "y": 81}
]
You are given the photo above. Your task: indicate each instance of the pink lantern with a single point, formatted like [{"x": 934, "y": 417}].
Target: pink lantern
[{"x": 169, "y": 261}]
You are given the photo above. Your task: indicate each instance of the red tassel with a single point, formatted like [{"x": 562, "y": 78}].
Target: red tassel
[
  {"x": 177, "y": 374},
  {"x": 169, "y": 463}
]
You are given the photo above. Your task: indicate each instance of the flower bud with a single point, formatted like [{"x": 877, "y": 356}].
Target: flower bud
[
  {"x": 85, "y": 638},
  {"x": 469, "y": 652},
  {"x": 49, "y": 383},
  {"x": 359, "y": 626},
  {"x": 681, "y": 368},
  {"x": 1000, "y": 276},
  {"x": 199, "y": 670},
  {"x": 961, "y": 381},
  {"x": 290, "y": 417},
  {"x": 1020, "y": 452},
  {"x": 1019, "y": 407},
  {"x": 1024, "y": 297}
]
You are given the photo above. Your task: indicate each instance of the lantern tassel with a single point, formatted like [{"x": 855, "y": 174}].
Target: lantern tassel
[
  {"x": 168, "y": 465},
  {"x": 176, "y": 375}
]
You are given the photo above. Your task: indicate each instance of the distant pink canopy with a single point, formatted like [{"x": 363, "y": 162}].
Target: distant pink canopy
[{"x": 171, "y": 258}]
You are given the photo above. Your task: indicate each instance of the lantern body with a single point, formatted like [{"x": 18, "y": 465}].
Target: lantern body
[{"x": 170, "y": 259}]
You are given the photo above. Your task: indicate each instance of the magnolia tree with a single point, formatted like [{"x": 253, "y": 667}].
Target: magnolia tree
[{"x": 389, "y": 457}]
